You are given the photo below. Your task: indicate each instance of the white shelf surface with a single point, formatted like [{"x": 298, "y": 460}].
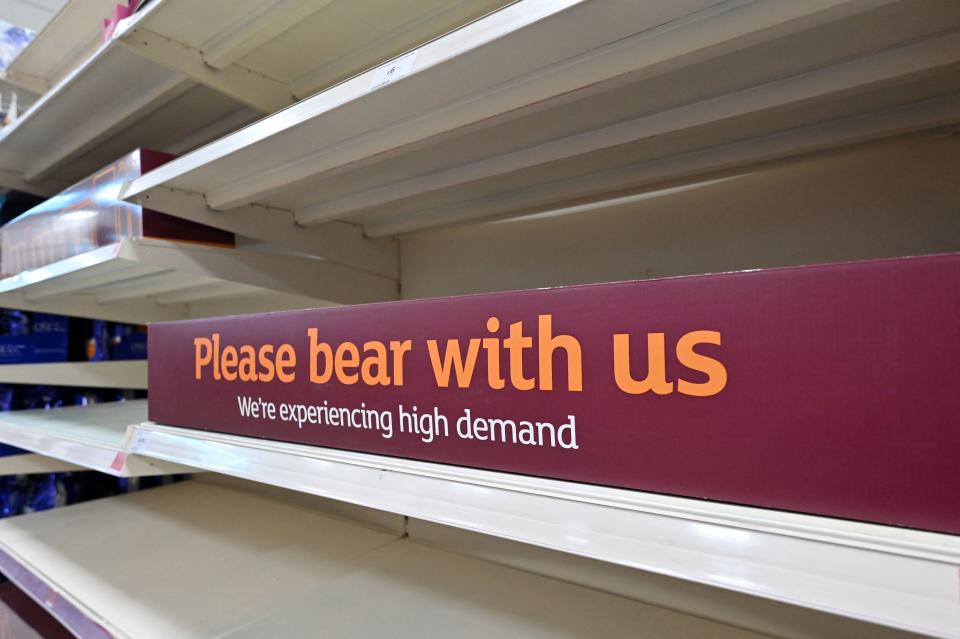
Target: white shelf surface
[
  {"x": 116, "y": 374},
  {"x": 198, "y": 559},
  {"x": 269, "y": 54},
  {"x": 25, "y": 98},
  {"x": 31, "y": 14},
  {"x": 94, "y": 437},
  {"x": 142, "y": 280},
  {"x": 504, "y": 118},
  {"x": 179, "y": 73},
  {"x": 33, "y": 464},
  {"x": 67, "y": 39},
  {"x": 894, "y": 577},
  {"x": 111, "y": 103}
]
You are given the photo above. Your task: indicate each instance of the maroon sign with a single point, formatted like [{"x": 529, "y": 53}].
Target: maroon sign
[{"x": 828, "y": 389}]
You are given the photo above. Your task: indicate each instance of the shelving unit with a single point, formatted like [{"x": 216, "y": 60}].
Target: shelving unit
[
  {"x": 179, "y": 74},
  {"x": 447, "y": 148},
  {"x": 895, "y": 577},
  {"x": 323, "y": 571},
  {"x": 113, "y": 374},
  {"x": 268, "y": 55},
  {"x": 111, "y": 103},
  {"x": 651, "y": 95},
  {"x": 94, "y": 437},
  {"x": 24, "y": 98},
  {"x": 150, "y": 280},
  {"x": 64, "y": 41},
  {"x": 31, "y": 14}
]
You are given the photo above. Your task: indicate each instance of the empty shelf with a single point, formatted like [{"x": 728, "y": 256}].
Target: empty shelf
[
  {"x": 95, "y": 437},
  {"x": 197, "y": 559}
]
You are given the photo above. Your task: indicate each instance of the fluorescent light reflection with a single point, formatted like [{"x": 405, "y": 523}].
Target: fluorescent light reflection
[{"x": 618, "y": 201}]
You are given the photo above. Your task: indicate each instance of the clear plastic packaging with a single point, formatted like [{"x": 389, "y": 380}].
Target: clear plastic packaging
[{"x": 90, "y": 214}]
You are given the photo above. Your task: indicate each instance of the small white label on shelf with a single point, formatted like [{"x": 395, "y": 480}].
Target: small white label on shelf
[
  {"x": 140, "y": 442},
  {"x": 393, "y": 70}
]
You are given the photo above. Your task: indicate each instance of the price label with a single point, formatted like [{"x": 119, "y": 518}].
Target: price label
[
  {"x": 140, "y": 441},
  {"x": 393, "y": 70}
]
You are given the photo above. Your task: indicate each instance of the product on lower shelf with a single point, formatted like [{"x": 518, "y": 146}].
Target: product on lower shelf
[
  {"x": 21, "y": 494},
  {"x": 29, "y": 338}
]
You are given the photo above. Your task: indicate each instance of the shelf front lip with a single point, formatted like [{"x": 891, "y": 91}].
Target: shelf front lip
[
  {"x": 507, "y": 20},
  {"x": 901, "y": 541},
  {"x": 611, "y": 525},
  {"x": 108, "y": 374},
  {"x": 93, "y": 456},
  {"x": 110, "y": 457},
  {"x": 51, "y": 598},
  {"x": 75, "y": 451},
  {"x": 65, "y": 267}
]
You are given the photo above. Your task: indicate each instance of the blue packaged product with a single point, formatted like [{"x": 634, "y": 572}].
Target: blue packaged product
[
  {"x": 46, "y": 492},
  {"x": 6, "y": 403},
  {"x": 13, "y": 323},
  {"x": 34, "y": 397},
  {"x": 127, "y": 485},
  {"x": 79, "y": 397},
  {"x": 97, "y": 341},
  {"x": 73, "y": 486},
  {"x": 13, "y": 494},
  {"x": 13, "y": 342},
  {"x": 110, "y": 395},
  {"x": 153, "y": 481},
  {"x": 32, "y": 337},
  {"x": 6, "y": 498},
  {"x": 7, "y": 450},
  {"x": 49, "y": 337},
  {"x": 20, "y": 484},
  {"x": 128, "y": 341},
  {"x": 90, "y": 396},
  {"x": 6, "y": 397},
  {"x": 98, "y": 485}
]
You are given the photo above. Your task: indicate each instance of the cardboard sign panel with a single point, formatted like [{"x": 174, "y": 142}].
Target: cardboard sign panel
[{"x": 831, "y": 389}]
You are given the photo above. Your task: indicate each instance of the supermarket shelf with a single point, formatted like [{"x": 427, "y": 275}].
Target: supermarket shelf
[
  {"x": 113, "y": 102},
  {"x": 653, "y": 94},
  {"x": 25, "y": 98},
  {"x": 94, "y": 437},
  {"x": 117, "y": 374},
  {"x": 151, "y": 280},
  {"x": 179, "y": 74},
  {"x": 31, "y": 14},
  {"x": 198, "y": 559},
  {"x": 269, "y": 54},
  {"x": 33, "y": 464},
  {"x": 894, "y": 577},
  {"x": 68, "y": 38}
]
